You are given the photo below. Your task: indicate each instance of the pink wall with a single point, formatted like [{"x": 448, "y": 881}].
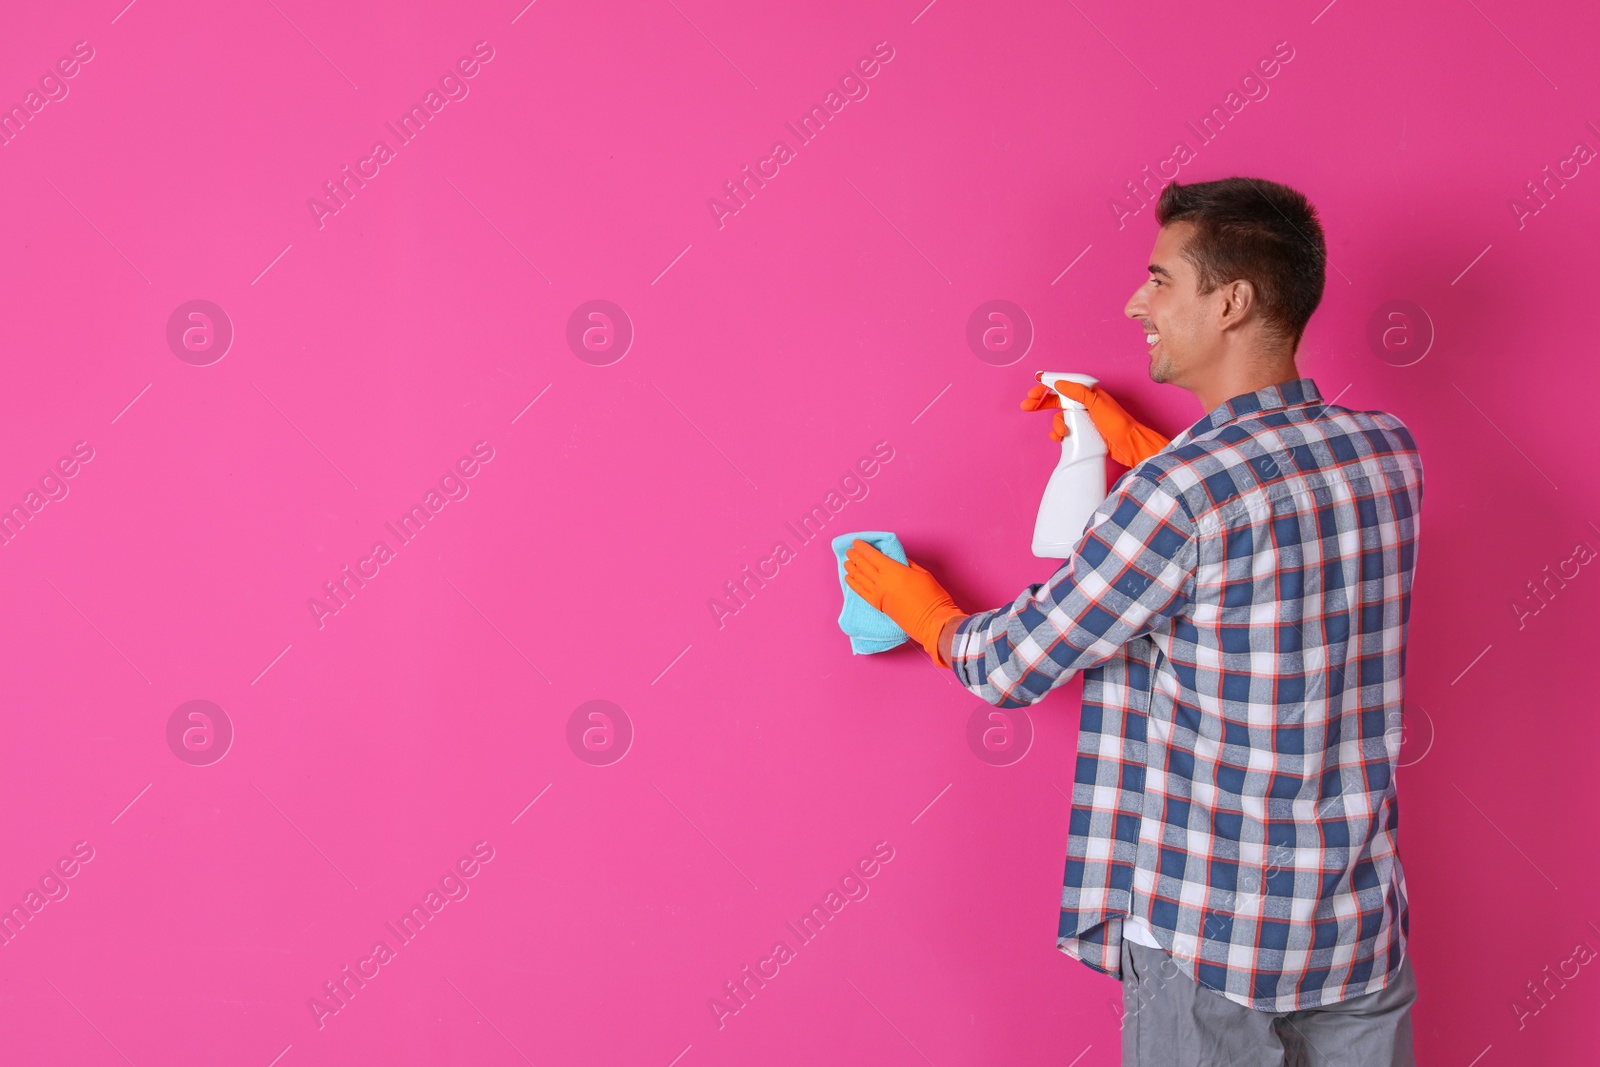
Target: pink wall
[{"x": 371, "y": 353}]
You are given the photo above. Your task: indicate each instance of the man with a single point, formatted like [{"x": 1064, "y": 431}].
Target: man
[{"x": 1237, "y": 607}]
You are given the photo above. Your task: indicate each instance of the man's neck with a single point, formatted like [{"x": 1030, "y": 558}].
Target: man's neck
[{"x": 1247, "y": 378}]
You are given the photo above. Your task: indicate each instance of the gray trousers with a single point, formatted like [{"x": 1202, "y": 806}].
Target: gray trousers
[{"x": 1170, "y": 1020}]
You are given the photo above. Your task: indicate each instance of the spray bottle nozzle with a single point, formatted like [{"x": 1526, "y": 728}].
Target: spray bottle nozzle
[{"x": 1051, "y": 378}]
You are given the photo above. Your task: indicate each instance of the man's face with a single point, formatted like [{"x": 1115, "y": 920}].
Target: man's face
[{"x": 1170, "y": 309}]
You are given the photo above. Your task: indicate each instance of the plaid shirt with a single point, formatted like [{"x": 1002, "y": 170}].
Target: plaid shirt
[{"x": 1237, "y": 607}]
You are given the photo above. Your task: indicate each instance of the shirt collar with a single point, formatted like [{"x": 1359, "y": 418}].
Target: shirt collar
[{"x": 1294, "y": 393}]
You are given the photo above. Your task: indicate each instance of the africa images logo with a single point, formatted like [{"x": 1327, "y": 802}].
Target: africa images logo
[
  {"x": 452, "y": 87},
  {"x": 852, "y": 87},
  {"x": 454, "y": 885}
]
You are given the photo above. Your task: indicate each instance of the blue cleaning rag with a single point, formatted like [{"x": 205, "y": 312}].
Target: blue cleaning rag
[{"x": 869, "y": 629}]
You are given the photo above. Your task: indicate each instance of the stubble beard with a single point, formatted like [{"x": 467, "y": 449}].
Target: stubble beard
[{"x": 1160, "y": 368}]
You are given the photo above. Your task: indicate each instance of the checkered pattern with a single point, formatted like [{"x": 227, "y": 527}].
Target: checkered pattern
[{"x": 1237, "y": 608}]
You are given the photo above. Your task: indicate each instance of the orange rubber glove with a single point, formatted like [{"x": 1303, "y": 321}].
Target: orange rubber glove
[
  {"x": 909, "y": 595},
  {"x": 1130, "y": 442}
]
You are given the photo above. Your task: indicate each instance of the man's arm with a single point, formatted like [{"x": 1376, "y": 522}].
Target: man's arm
[
  {"x": 1130, "y": 573},
  {"x": 946, "y": 634}
]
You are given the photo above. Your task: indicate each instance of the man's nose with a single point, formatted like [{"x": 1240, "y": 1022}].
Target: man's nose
[{"x": 1135, "y": 305}]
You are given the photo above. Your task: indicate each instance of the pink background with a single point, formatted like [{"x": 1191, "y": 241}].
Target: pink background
[{"x": 770, "y": 355}]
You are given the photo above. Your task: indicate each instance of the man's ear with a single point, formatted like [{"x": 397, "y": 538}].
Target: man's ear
[{"x": 1238, "y": 301}]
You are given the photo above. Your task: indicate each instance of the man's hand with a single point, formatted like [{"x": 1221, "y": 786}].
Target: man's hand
[
  {"x": 1130, "y": 442},
  {"x": 909, "y": 595}
]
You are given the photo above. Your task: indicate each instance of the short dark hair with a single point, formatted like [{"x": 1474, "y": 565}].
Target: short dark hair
[{"x": 1260, "y": 231}]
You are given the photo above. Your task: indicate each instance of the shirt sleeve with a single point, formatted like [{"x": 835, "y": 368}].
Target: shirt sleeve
[{"x": 1131, "y": 572}]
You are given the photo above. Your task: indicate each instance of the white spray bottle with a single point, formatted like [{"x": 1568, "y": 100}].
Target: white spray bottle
[{"x": 1078, "y": 484}]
